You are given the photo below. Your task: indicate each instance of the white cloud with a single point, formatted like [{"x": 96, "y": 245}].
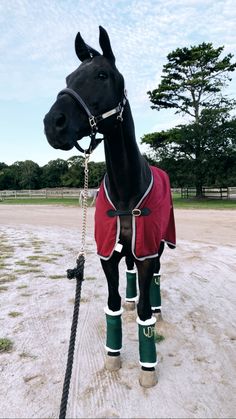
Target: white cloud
[
  {"x": 40, "y": 35},
  {"x": 37, "y": 41}
]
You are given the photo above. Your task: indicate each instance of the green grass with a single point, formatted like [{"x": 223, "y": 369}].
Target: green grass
[
  {"x": 14, "y": 313},
  {"x": 57, "y": 276},
  {"x": 205, "y": 203},
  {"x": 158, "y": 338},
  {"x": 40, "y": 258},
  {"x": 27, "y": 271},
  {"x": 5, "y": 345},
  {"x": 27, "y": 355},
  {"x": 191, "y": 203},
  {"x": 7, "y": 278},
  {"x": 27, "y": 264},
  {"x": 41, "y": 201}
]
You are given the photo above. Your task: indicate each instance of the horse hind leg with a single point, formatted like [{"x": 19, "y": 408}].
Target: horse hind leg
[
  {"x": 146, "y": 325},
  {"x": 155, "y": 287},
  {"x": 113, "y": 313},
  {"x": 131, "y": 295}
]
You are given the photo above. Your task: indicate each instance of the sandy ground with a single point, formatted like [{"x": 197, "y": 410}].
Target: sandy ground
[{"x": 197, "y": 359}]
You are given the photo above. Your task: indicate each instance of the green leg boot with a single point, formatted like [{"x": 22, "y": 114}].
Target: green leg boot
[
  {"x": 131, "y": 289},
  {"x": 147, "y": 352},
  {"x": 155, "y": 293},
  {"x": 113, "y": 339}
]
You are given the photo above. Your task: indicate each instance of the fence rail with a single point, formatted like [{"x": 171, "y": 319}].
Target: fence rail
[
  {"x": 46, "y": 193},
  {"x": 213, "y": 193}
]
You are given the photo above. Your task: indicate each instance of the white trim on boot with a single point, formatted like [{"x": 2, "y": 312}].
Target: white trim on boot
[
  {"x": 148, "y": 322},
  {"x": 148, "y": 364},
  {"x": 130, "y": 300},
  {"x": 113, "y": 313}
]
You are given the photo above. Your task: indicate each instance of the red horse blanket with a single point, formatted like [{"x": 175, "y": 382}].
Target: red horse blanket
[{"x": 147, "y": 230}]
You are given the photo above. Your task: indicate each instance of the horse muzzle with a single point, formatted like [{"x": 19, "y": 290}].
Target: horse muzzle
[{"x": 56, "y": 130}]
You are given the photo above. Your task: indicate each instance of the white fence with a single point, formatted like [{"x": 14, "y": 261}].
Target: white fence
[
  {"x": 218, "y": 193},
  {"x": 47, "y": 193},
  {"x": 208, "y": 192}
]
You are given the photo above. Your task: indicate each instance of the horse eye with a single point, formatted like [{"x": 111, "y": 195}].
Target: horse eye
[{"x": 102, "y": 75}]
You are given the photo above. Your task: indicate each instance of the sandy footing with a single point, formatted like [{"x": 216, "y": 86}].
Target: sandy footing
[{"x": 196, "y": 366}]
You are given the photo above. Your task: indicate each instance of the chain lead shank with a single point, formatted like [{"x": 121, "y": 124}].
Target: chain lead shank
[
  {"x": 76, "y": 272},
  {"x": 84, "y": 204}
]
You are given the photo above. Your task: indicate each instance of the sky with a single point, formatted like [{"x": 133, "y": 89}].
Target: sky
[{"x": 37, "y": 53}]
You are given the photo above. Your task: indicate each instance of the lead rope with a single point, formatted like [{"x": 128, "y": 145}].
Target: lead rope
[{"x": 78, "y": 273}]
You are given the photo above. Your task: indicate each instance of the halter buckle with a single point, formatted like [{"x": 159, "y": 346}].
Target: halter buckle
[{"x": 92, "y": 122}]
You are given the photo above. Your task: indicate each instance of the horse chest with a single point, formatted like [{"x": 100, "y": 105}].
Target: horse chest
[{"x": 126, "y": 230}]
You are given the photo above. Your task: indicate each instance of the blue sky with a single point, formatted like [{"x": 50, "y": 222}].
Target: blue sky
[{"x": 37, "y": 52}]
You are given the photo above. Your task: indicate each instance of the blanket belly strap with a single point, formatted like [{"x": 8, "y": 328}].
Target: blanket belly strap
[{"x": 136, "y": 212}]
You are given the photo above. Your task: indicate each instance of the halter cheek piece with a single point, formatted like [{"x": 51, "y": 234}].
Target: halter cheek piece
[{"x": 94, "y": 120}]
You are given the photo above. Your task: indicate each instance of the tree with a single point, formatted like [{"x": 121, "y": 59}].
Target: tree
[
  {"x": 96, "y": 173},
  {"x": 53, "y": 172},
  {"x": 6, "y": 177},
  {"x": 74, "y": 177},
  {"x": 176, "y": 149},
  {"x": 26, "y": 174},
  {"x": 192, "y": 84}
]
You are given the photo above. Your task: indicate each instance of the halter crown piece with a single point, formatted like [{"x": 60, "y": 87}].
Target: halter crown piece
[{"x": 94, "y": 120}]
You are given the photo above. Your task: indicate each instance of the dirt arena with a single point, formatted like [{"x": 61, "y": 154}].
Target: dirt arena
[{"x": 197, "y": 359}]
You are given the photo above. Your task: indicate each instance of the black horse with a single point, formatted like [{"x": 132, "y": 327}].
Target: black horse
[{"x": 95, "y": 101}]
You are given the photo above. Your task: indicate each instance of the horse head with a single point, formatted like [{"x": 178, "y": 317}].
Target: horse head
[{"x": 93, "y": 99}]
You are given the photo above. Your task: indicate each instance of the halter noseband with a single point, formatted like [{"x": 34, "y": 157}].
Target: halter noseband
[{"x": 94, "y": 120}]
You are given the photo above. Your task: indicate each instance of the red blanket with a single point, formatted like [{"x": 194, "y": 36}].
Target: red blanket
[{"x": 147, "y": 231}]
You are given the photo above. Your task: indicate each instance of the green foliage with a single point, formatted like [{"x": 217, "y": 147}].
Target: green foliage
[
  {"x": 26, "y": 174},
  {"x": 56, "y": 173},
  {"x": 5, "y": 345},
  {"x": 20, "y": 175},
  {"x": 53, "y": 172},
  {"x": 197, "y": 152},
  {"x": 14, "y": 313},
  {"x": 158, "y": 338},
  {"x": 210, "y": 159},
  {"x": 193, "y": 79}
]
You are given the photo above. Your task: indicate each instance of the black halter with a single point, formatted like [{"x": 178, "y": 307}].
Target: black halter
[{"x": 94, "y": 120}]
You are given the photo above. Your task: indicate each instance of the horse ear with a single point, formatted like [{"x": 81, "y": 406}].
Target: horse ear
[
  {"x": 83, "y": 50},
  {"x": 104, "y": 42}
]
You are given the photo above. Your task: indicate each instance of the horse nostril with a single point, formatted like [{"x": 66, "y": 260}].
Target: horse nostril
[{"x": 60, "y": 121}]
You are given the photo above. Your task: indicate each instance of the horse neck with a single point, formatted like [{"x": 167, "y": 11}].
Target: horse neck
[{"x": 128, "y": 174}]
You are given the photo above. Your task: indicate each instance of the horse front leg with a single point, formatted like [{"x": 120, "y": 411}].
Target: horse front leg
[
  {"x": 155, "y": 288},
  {"x": 146, "y": 324},
  {"x": 131, "y": 294},
  {"x": 113, "y": 313}
]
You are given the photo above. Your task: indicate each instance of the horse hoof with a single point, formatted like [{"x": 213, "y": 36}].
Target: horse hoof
[
  {"x": 148, "y": 379},
  {"x": 113, "y": 363},
  {"x": 129, "y": 305}
]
